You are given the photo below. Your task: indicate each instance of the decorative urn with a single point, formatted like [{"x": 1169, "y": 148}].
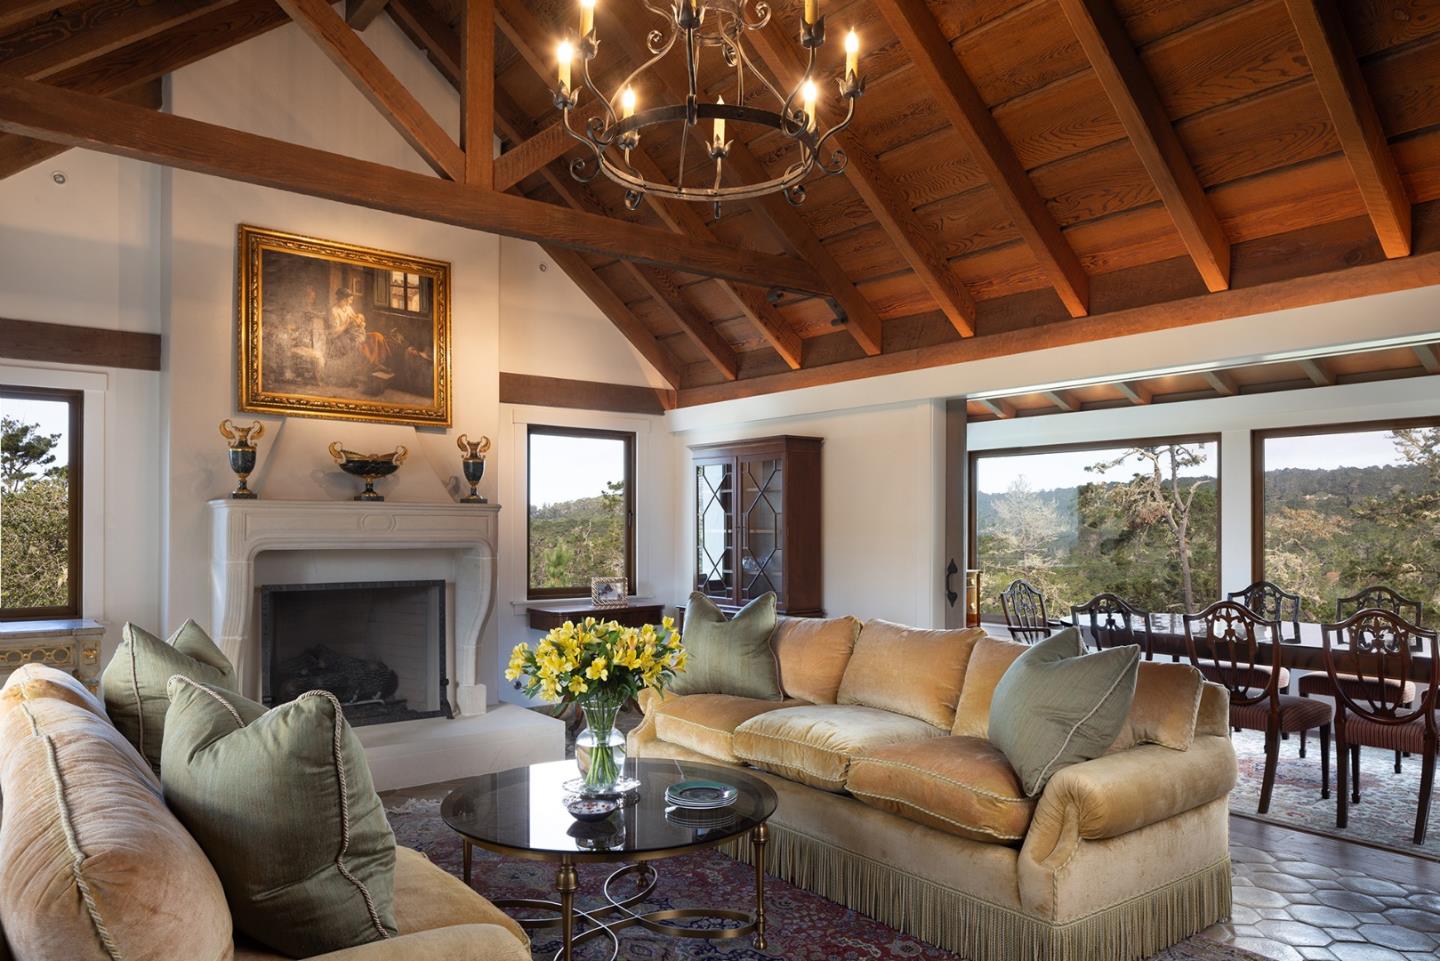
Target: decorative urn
[
  {"x": 242, "y": 454},
  {"x": 472, "y": 462},
  {"x": 368, "y": 467}
]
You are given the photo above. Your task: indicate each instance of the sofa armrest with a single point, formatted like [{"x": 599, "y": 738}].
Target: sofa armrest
[{"x": 459, "y": 942}]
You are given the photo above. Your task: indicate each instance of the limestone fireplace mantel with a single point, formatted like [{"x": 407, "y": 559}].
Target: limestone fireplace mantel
[{"x": 243, "y": 530}]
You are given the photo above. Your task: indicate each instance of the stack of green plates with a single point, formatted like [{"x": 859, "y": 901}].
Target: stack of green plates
[{"x": 701, "y": 795}]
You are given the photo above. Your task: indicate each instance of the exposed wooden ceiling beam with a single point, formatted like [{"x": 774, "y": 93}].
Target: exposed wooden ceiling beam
[
  {"x": 1061, "y": 401},
  {"x": 877, "y": 189},
  {"x": 72, "y": 344},
  {"x": 1318, "y": 373},
  {"x": 528, "y": 156},
  {"x": 381, "y": 87},
  {"x": 1000, "y": 408},
  {"x": 361, "y": 13},
  {"x": 22, "y": 153},
  {"x": 1221, "y": 382},
  {"x": 425, "y": 25},
  {"x": 1352, "y": 112},
  {"x": 477, "y": 92},
  {"x": 1428, "y": 358},
  {"x": 960, "y": 102},
  {"x": 18, "y": 12},
  {"x": 583, "y": 394},
  {"x": 1135, "y": 392},
  {"x": 62, "y": 116},
  {"x": 1132, "y": 93},
  {"x": 83, "y": 33}
]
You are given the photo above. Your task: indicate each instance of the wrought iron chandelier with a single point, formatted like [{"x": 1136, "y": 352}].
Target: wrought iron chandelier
[{"x": 697, "y": 27}]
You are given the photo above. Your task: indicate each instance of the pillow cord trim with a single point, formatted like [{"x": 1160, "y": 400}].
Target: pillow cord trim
[
  {"x": 72, "y": 840},
  {"x": 1045, "y": 771}
]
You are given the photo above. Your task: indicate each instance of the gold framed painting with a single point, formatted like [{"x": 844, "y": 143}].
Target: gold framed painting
[{"x": 329, "y": 329}]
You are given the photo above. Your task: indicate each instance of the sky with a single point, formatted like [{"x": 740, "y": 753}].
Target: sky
[
  {"x": 1064, "y": 469},
  {"x": 52, "y": 416},
  {"x": 1363, "y": 449},
  {"x": 569, "y": 468}
]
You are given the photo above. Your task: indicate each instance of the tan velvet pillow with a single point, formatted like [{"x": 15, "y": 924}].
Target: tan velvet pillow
[
  {"x": 992, "y": 657},
  {"x": 909, "y": 670},
  {"x": 88, "y": 849},
  {"x": 1167, "y": 701},
  {"x": 813, "y": 653}
]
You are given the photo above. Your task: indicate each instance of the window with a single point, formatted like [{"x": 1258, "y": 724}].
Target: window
[
  {"x": 39, "y": 503},
  {"x": 581, "y": 511},
  {"x": 1342, "y": 508},
  {"x": 408, "y": 292},
  {"x": 1140, "y": 520}
]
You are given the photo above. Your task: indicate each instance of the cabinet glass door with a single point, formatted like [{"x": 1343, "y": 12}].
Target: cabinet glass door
[
  {"x": 715, "y": 530},
  {"x": 762, "y": 544}
]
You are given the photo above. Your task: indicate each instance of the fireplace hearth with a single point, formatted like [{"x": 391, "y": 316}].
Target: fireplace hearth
[{"x": 379, "y": 647}]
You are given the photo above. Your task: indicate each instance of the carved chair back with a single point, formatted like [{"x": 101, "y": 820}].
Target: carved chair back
[
  {"x": 1224, "y": 643},
  {"x": 1273, "y": 602},
  {"x": 1381, "y": 598},
  {"x": 1106, "y": 620},
  {"x": 1025, "y": 615},
  {"x": 1369, "y": 657}
]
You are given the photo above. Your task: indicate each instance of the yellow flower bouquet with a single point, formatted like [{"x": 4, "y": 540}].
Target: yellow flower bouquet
[{"x": 600, "y": 666}]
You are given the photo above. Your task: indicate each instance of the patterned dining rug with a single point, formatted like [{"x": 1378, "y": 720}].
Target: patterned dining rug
[
  {"x": 802, "y": 926},
  {"x": 1385, "y": 816}
]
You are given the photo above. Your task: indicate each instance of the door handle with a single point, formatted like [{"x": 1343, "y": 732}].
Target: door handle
[{"x": 950, "y": 571}]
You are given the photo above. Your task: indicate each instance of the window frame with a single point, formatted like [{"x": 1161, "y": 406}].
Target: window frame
[
  {"x": 1257, "y": 469},
  {"x": 972, "y": 534},
  {"x": 582, "y": 591},
  {"x": 76, "y": 463}
]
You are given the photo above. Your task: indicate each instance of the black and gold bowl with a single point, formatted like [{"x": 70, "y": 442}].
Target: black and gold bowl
[{"x": 368, "y": 467}]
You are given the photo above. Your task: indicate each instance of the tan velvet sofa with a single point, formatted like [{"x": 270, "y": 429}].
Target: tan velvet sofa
[
  {"x": 894, "y": 803},
  {"x": 93, "y": 867}
]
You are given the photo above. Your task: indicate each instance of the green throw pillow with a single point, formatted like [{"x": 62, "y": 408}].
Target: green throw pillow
[
  {"x": 282, "y": 804},
  {"x": 1057, "y": 706},
  {"x": 133, "y": 683},
  {"x": 730, "y": 657}
]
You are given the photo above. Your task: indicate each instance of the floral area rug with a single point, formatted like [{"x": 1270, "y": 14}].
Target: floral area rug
[
  {"x": 1385, "y": 816},
  {"x": 801, "y": 926}
]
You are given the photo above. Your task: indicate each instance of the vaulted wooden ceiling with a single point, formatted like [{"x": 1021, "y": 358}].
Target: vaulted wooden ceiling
[{"x": 1022, "y": 173}]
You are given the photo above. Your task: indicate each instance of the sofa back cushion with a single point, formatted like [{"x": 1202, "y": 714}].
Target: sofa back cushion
[
  {"x": 133, "y": 683},
  {"x": 93, "y": 866},
  {"x": 283, "y": 804},
  {"x": 909, "y": 670},
  {"x": 1057, "y": 705},
  {"x": 730, "y": 656},
  {"x": 990, "y": 660},
  {"x": 813, "y": 653},
  {"x": 1167, "y": 701}
]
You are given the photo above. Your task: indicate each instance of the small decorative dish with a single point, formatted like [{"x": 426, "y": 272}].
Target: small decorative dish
[
  {"x": 701, "y": 795},
  {"x": 590, "y": 808}
]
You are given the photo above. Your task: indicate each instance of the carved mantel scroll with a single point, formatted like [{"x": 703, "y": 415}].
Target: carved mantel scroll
[{"x": 242, "y": 530}]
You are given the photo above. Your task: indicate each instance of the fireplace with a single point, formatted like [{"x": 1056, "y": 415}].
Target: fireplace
[{"x": 377, "y": 646}]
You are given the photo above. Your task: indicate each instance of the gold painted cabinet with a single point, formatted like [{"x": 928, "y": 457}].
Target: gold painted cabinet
[{"x": 71, "y": 645}]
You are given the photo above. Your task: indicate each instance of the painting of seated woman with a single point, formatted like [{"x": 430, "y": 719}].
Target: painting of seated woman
[{"x": 329, "y": 329}]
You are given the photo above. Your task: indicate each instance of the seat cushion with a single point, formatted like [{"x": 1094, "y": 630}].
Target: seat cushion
[
  {"x": 959, "y": 785},
  {"x": 282, "y": 803},
  {"x": 813, "y": 653},
  {"x": 730, "y": 656},
  {"x": 89, "y": 852},
  {"x": 1222, "y": 675},
  {"x": 133, "y": 683},
  {"x": 1319, "y": 683},
  {"x": 814, "y": 744},
  {"x": 1166, "y": 704},
  {"x": 1058, "y": 705},
  {"x": 1296, "y": 714},
  {"x": 989, "y": 661},
  {"x": 705, "y": 723},
  {"x": 1395, "y": 737},
  {"x": 907, "y": 670}
]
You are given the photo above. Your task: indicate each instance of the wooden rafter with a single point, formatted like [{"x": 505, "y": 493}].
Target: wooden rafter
[
  {"x": 381, "y": 87},
  {"x": 361, "y": 13},
  {"x": 22, "y": 153},
  {"x": 1221, "y": 382},
  {"x": 960, "y": 102},
  {"x": 19, "y": 11},
  {"x": 1061, "y": 400},
  {"x": 477, "y": 92},
  {"x": 62, "y": 116},
  {"x": 1000, "y": 408},
  {"x": 427, "y": 28},
  {"x": 1352, "y": 113},
  {"x": 1318, "y": 372},
  {"x": 531, "y": 154},
  {"x": 1132, "y": 93},
  {"x": 887, "y": 203},
  {"x": 1135, "y": 392},
  {"x": 1428, "y": 358}
]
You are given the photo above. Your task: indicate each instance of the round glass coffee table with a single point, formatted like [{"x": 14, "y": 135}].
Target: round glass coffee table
[{"x": 520, "y": 813}]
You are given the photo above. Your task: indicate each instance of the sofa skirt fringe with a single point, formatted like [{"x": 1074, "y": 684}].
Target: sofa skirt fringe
[{"x": 981, "y": 931}]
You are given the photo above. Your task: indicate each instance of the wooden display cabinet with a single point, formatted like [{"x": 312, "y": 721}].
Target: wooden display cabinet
[{"x": 757, "y": 523}]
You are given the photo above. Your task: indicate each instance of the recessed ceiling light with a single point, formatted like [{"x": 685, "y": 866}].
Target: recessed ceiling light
[{"x": 59, "y": 177}]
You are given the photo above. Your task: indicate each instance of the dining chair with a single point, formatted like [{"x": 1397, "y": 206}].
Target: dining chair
[
  {"x": 1229, "y": 635},
  {"x": 1374, "y": 597},
  {"x": 1106, "y": 620},
  {"x": 1024, "y": 608},
  {"x": 1365, "y": 655},
  {"x": 1273, "y": 602}
]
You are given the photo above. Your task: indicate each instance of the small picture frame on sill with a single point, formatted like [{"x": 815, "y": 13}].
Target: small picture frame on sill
[{"x": 607, "y": 592}]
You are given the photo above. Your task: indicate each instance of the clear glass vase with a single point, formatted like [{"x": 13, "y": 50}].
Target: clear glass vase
[{"x": 600, "y": 748}]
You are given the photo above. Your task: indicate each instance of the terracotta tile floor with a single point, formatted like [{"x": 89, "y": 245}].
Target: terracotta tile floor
[{"x": 1299, "y": 896}]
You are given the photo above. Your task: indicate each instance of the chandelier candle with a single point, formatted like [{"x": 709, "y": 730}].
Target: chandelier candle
[
  {"x": 587, "y": 17},
  {"x": 564, "y": 54}
]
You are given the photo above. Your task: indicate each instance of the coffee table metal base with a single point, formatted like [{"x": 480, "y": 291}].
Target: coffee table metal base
[{"x": 610, "y": 919}]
